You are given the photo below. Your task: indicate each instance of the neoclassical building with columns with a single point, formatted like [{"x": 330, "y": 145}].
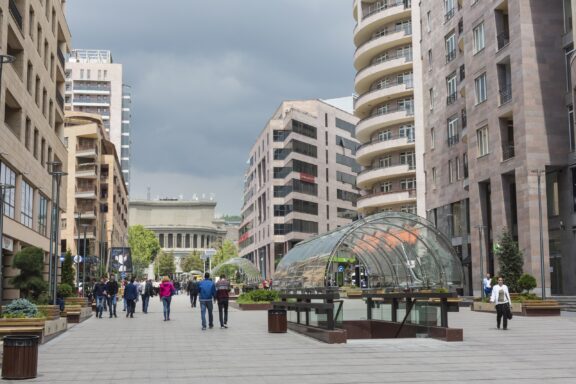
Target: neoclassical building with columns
[{"x": 181, "y": 226}]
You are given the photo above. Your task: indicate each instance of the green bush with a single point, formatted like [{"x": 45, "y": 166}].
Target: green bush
[
  {"x": 258, "y": 296},
  {"x": 20, "y": 308},
  {"x": 42, "y": 299},
  {"x": 65, "y": 290},
  {"x": 526, "y": 282},
  {"x": 525, "y": 296},
  {"x": 30, "y": 281}
]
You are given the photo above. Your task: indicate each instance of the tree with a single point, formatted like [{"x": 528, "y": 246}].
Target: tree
[
  {"x": 68, "y": 270},
  {"x": 224, "y": 252},
  {"x": 511, "y": 261},
  {"x": 526, "y": 283},
  {"x": 30, "y": 262},
  {"x": 192, "y": 262},
  {"x": 164, "y": 264},
  {"x": 144, "y": 246}
]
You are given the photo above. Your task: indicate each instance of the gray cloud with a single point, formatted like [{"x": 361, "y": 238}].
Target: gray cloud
[{"x": 206, "y": 76}]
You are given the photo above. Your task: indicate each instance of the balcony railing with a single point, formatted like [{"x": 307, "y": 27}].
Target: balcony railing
[
  {"x": 409, "y": 138},
  {"x": 453, "y": 140},
  {"x": 392, "y": 56},
  {"x": 451, "y": 55},
  {"x": 59, "y": 100},
  {"x": 411, "y": 194},
  {"x": 508, "y": 152},
  {"x": 92, "y": 100},
  {"x": 15, "y": 12},
  {"x": 506, "y": 94},
  {"x": 386, "y": 5},
  {"x": 81, "y": 147},
  {"x": 61, "y": 57},
  {"x": 451, "y": 99},
  {"x": 92, "y": 87},
  {"x": 408, "y": 82},
  {"x": 389, "y": 31},
  {"x": 449, "y": 15},
  {"x": 503, "y": 38},
  {"x": 411, "y": 167}
]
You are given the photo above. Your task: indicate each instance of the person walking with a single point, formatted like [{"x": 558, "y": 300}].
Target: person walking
[
  {"x": 166, "y": 292},
  {"x": 222, "y": 295},
  {"x": 487, "y": 285},
  {"x": 112, "y": 291},
  {"x": 100, "y": 295},
  {"x": 130, "y": 294},
  {"x": 147, "y": 293},
  {"x": 207, "y": 292},
  {"x": 121, "y": 293},
  {"x": 192, "y": 289},
  {"x": 501, "y": 298}
]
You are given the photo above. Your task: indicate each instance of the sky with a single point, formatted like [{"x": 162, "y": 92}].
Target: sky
[{"x": 207, "y": 75}]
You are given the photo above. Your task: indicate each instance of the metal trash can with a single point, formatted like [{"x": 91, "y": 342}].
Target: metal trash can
[
  {"x": 20, "y": 359},
  {"x": 277, "y": 321}
]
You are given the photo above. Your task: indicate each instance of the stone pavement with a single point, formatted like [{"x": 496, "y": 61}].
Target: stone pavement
[{"x": 147, "y": 350}]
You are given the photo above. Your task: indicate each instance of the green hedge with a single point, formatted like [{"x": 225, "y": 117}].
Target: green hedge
[{"x": 258, "y": 296}]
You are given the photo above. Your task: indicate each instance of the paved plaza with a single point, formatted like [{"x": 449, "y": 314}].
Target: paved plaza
[{"x": 147, "y": 350}]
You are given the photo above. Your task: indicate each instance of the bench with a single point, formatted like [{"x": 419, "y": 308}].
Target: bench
[
  {"x": 72, "y": 313},
  {"x": 541, "y": 308}
]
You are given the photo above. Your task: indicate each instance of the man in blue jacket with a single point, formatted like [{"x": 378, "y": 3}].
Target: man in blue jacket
[
  {"x": 207, "y": 293},
  {"x": 131, "y": 294}
]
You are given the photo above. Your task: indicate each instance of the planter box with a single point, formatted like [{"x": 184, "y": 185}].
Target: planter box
[
  {"x": 81, "y": 301},
  {"x": 53, "y": 328},
  {"x": 52, "y": 311},
  {"x": 77, "y": 314},
  {"x": 251, "y": 307},
  {"x": 541, "y": 308}
]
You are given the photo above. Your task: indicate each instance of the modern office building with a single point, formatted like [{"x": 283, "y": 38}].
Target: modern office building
[
  {"x": 389, "y": 106},
  {"x": 94, "y": 84},
  {"x": 182, "y": 226},
  {"x": 97, "y": 195},
  {"x": 300, "y": 181},
  {"x": 499, "y": 133},
  {"x": 36, "y": 34}
]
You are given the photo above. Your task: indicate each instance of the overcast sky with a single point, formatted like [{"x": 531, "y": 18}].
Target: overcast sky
[{"x": 207, "y": 75}]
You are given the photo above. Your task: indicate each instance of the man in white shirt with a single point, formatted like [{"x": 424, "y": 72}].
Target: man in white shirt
[{"x": 487, "y": 285}]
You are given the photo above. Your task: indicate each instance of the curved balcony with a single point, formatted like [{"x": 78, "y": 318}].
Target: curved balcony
[
  {"x": 366, "y": 51},
  {"x": 369, "y": 177},
  {"x": 368, "y": 126},
  {"x": 364, "y": 104},
  {"x": 386, "y": 199},
  {"x": 372, "y": 21},
  {"x": 367, "y": 152},
  {"x": 367, "y": 76}
]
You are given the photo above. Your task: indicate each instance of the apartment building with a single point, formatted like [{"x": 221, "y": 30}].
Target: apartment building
[
  {"x": 300, "y": 181},
  {"x": 499, "y": 120},
  {"x": 36, "y": 34},
  {"x": 389, "y": 106},
  {"x": 94, "y": 84},
  {"x": 97, "y": 195}
]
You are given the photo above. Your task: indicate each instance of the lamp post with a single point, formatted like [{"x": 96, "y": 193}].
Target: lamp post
[
  {"x": 3, "y": 188},
  {"x": 56, "y": 173},
  {"x": 539, "y": 173},
  {"x": 78, "y": 225},
  {"x": 85, "y": 226},
  {"x": 480, "y": 230}
]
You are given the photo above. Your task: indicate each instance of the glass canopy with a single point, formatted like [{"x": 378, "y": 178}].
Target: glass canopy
[
  {"x": 391, "y": 249},
  {"x": 246, "y": 271}
]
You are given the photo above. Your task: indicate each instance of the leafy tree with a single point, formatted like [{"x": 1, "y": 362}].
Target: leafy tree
[
  {"x": 224, "y": 252},
  {"x": 164, "y": 264},
  {"x": 144, "y": 245},
  {"x": 511, "y": 261},
  {"x": 30, "y": 262},
  {"x": 231, "y": 218},
  {"x": 526, "y": 282},
  {"x": 68, "y": 270},
  {"x": 192, "y": 262}
]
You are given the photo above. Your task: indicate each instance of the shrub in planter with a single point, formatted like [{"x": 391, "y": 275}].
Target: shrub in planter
[
  {"x": 30, "y": 281},
  {"x": 20, "y": 308},
  {"x": 526, "y": 282},
  {"x": 65, "y": 290},
  {"x": 258, "y": 296}
]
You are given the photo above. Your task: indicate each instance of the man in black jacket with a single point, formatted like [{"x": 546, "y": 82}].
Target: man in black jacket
[
  {"x": 147, "y": 293},
  {"x": 193, "y": 290},
  {"x": 112, "y": 290},
  {"x": 99, "y": 292}
]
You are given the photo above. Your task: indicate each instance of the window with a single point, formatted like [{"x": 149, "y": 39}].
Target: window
[
  {"x": 431, "y": 96},
  {"x": 407, "y": 131},
  {"x": 346, "y": 178},
  {"x": 161, "y": 240},
  {"x": 304, "y": 148},
  {"x": 385, "y": 187},
  {"x": 384, "y": 135},
  {"x": 429, "y": 59},
  {"x": 453, "y": 130},
  {"x": 408, "y": 158},
  {"x": 282, "y": 210},
  {"x": 81, "y": 74},
  {"x": 26, "y": 204},
  {"x": 571, "y": 130},
  {"x": 450, "y": 172},
  {"x": 480, "y": 88},
  {"x": 450, "y": 47},
  {"x": 483, "y": 143},
  {"x": 349, "y": 127},
  {"x": 429, "y": 26},
  {"x": 384, "y": 162},
  {"x": 458, "y": 166},
  {"x": 88, "y": 74},
  {"x": 408, "y": 209},
  {"x": 43, "y": 215},
  {"x": 304, "y": 187},
  {"x": 304, "y": 129},
  {"x": 465, "y": 164},
  {"x": 171, "y": 241},
  {"x": 304, "y": 226},
  {"x": 432, "y": 138},
  {"x": 434, "y": 176},
  {"x": 451, "y": 88},
  {"x": 8, "y": 177},
  {"x": 449, "y": 8},
  {"x": 187, "y": 241},
  {"x": 408, "y": 184},
  {"x": 574, "y": 188},
  {"x": 304, "y": 206},
  {"x": 347, "y": 196},
  {"x": 479, "y": 42}
]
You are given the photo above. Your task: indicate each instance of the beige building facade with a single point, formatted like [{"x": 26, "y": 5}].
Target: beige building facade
[
  {"x": 498, "y": 113},
  {"x": 36, "y": 34},
  {"x": 389, "y": 106},
  {"x": 97, "y": 195},
  {"x": 300, "y": 181},
  {"x": 94, "y": 84}
]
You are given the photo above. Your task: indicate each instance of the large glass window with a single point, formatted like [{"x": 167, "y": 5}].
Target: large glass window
[
  {"x": 304, "y": 148},
  {"x": 304, "y": 206},
  {"x": 26, "y": 204},
  {"x": 8, "y": 177},
  {"x": 407, "y": 184},
  {"x": 483, "y": 141},
  {"x": 480, "y": 88},
  {"x": 43, "y": 215},
  {"x": 479, "y": 41},
  {"x": 450, "y": 47},
  {"x": 453, "y": 130},
  {"x": 304, "y": 187},
  {"x": 451, "y": 88},
  {"x": 408, "y": 158},
  {"x": 304, "y": 129}
]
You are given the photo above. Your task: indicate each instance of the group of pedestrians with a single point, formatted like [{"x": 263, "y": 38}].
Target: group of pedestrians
[
  {"x": 210, "y": 293},
  {"x": 106, "y": 294}
]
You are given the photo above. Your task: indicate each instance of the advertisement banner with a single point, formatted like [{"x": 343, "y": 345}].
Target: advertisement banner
[{"x": 121, "y": 259}]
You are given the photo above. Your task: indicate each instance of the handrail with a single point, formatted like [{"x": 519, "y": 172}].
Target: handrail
[
  {"x": 408, "y": 82},
  {"x": 407, "y": 32},
  {"x": 378, "y": 141},
  {"x": 409, "y": 111},
  {"x": 407, "y": 56},
  {"x": 411, "y": 167},
  {"x": 385, "y": 7},
  {"x": 411, "y": 194}
]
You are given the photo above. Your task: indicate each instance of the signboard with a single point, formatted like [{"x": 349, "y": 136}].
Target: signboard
[
  {"x": 208, "y": 253},
  {"x": 7, "y": 244},
  {"x": 122, "y": 259},
  {"x": 307, "y": 178},
  {"x": 340, "y": 268},
  {"x": 244, "y": 237}
]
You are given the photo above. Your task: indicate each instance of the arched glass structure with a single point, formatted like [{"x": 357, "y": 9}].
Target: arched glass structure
[
  {"x": 396, "y": 250},
  {"x": 248, "y": 271}
]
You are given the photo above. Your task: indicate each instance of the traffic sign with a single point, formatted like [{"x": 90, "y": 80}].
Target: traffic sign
[{"x": 340, "y": 268}]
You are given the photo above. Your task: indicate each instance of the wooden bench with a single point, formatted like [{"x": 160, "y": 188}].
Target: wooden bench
[
  {"x": 72, "y": 313},
  {"x": 541, "y": 308}
]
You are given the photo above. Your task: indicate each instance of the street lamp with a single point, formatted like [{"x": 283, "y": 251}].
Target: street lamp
[
  {"x": 78, "y": 225},
  {"x": 54, "y": 257},
  {"x": 539, "y": 173},
  {"x": 480, "y": 231},
  {"x": 85, "y": 226},
  {"x": 3, "y": 188}
]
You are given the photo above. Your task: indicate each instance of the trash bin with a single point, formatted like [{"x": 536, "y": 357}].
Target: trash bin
[
  {"x": 20, "y": 359},
  {"x": 277, "y": 322}
]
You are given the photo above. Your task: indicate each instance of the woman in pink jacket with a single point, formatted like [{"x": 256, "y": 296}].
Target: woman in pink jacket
[{"x": 166, "y": 292}]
